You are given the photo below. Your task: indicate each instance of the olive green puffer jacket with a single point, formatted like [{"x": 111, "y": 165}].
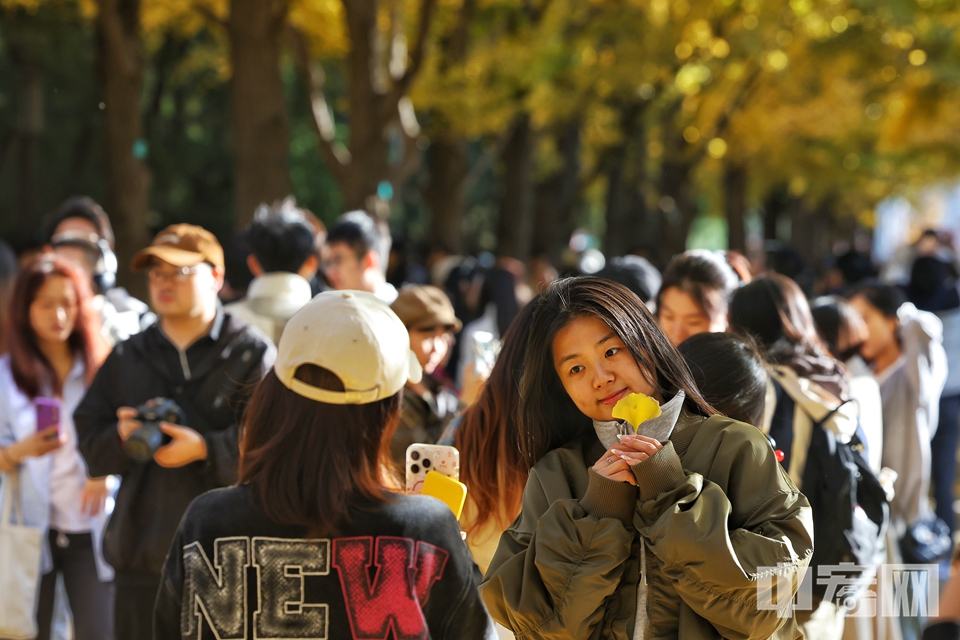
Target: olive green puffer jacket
[{"x": 712, "y": 512}]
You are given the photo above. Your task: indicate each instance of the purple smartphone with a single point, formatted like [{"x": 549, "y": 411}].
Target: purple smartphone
[{"x": 48, "y": 413}]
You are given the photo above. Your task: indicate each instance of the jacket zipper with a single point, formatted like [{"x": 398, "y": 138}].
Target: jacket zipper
[
  {"x": 184, "y": 364},
  {"x": 641, "y": 616}
]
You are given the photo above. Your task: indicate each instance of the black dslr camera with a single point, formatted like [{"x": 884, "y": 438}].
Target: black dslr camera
[{"x": 144, "y": 442}]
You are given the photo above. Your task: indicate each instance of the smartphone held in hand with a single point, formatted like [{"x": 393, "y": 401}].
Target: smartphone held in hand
[
  {"x": 422, "y": 458},
  {"x": 48, "y": 413}
]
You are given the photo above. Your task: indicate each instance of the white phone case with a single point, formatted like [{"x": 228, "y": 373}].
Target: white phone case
[{"x": 422, "y": 458}]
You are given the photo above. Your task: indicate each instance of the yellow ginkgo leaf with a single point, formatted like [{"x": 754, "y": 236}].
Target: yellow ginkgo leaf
[{"x": 636, "y": 408}]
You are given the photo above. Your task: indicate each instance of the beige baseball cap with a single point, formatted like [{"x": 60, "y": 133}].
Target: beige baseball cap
[
  {"x": 355, "y": 336},
  {"x": 182, "y": 245}
]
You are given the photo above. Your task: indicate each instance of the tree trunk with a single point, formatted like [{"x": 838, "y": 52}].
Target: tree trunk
[
  {"x": 261, "y": 137},
  {"x": 628, "y": 223},
  {"x": 776, "y": 202},
  {"x": 29, "y": 125},
  {"x": 556, "y": 197},
  {"x": 735, "y": 205},
  {"x": 448, "y": 163},
  {"x": 121, "y": 67},
  {"x": 678, "y": 218},
  {"x": 445, "y": 195},
  {"x": 613, "y": 240},
  {"x": 627, "y": 220},
  {"x": 368, "y": 144},
  {"x": 515, "y": 228}
]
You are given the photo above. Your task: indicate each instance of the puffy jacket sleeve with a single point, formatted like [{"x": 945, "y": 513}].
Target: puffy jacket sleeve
[
  {"x": 95, "y": 419},
  {"x": 715, "y": 537},
  {"x": 563, "y": 556}
]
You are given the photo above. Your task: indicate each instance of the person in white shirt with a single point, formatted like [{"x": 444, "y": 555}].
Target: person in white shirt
[
  {"x": 283, "y": 260},
  {"x": 55, "y": 350}
]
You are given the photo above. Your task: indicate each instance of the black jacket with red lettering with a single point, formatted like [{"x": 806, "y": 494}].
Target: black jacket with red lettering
[{"x": 398, "y": 569}]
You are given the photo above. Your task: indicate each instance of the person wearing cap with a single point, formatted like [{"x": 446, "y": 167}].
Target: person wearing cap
[
  {"x": 317, "y": 504},
  {"x": 203, "y": 359},
  {"x": 430, "y": 404},
  {"x": 80, "y": 231}
]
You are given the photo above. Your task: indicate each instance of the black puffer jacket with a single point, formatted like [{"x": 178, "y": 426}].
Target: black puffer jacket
[{"x": 212, "y": 381}]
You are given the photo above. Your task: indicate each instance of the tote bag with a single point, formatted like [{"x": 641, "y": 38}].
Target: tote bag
[{"x": 20, "y": 549}]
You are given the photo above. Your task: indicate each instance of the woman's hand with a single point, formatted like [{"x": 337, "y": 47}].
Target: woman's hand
[
  {"x": 614, "y": 466},
  {"x": 637, "y": 448},
  {"x": 633, "y": 449},
  {"x": 93, "y": 496},
  {"x": 37, "y": 444},
  {"x": 40, "y": 443}
]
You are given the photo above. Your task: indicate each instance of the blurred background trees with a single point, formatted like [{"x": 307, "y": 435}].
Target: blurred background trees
[{"x": 482, "y": 124}]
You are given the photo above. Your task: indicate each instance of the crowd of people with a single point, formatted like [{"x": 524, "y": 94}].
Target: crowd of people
[{"x": 225, "y": 459}]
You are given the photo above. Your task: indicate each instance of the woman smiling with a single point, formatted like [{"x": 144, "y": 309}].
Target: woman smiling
[{"x": 661, "y": 533}]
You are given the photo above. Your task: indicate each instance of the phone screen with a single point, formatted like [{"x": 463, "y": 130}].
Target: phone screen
[{"x": 48, "y": 412}]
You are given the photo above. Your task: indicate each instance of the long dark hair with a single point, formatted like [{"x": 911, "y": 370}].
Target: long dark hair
[
  {"x": 305, "y": 461},
  {"x": 544, "y": 403},
  {"x": 31, "y": 369},
  {"x": 775, "y": 312},
  {"x": 491, "y": 464},
  {"x": 840, "y": 326},
  {"x": 885, "y": 298}
]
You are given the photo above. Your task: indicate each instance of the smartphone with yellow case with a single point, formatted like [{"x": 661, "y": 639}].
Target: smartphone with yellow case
[{"x": 451, "y": 492}]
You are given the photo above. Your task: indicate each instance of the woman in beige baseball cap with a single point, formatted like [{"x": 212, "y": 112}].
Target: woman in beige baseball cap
[{"x": 318, "y": 502}]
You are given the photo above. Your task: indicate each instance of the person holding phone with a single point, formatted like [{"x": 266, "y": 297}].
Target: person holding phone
[
  {"x": 318, "y": 504},
  {"x": 55, "y": 350},
  {"x": 430, "y": 404},
  {"x": 662, "y": 533}
]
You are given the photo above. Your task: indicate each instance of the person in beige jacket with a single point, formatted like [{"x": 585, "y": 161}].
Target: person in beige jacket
[{"x": 672, "y": 532}]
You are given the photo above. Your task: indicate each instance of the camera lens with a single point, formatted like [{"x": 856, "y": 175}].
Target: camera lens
[
  {"x": 414, "y": 468},
  {"x": 414, "y": 455},
  {"x": 426, "y": 463}
]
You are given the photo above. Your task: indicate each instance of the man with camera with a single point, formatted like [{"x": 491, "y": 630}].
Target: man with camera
[{"x": 195, "y": 366}]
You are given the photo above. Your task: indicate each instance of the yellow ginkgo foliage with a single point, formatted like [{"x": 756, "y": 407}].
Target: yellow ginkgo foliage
[{"x": 636, "y": 408}]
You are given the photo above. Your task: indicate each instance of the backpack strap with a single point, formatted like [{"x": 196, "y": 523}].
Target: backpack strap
[
  {"x": 822, "y": 421},
  {"x": 810, "y": 400},
  {"x": 790, "y": 382}
]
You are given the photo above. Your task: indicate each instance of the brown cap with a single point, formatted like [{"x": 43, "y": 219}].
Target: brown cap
[
  {"x": 422, "y": 305},
  {"x": 182, "y": 245}
]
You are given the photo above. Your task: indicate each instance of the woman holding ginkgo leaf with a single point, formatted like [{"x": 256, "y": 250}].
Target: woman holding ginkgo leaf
[{"x": 661, "y": 517}]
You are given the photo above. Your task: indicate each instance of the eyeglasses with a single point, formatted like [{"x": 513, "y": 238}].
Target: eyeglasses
[
  {"x": 159, "y": 274},
  {"x": 335, "y": 262}
]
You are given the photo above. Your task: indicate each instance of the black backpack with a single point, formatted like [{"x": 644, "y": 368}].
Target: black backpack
[{"x": 851, "y": 512}]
